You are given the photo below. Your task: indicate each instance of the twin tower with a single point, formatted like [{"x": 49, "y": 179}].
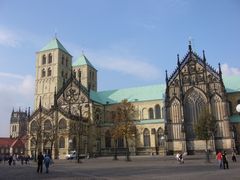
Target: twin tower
[{"x": 54, "y": 66}]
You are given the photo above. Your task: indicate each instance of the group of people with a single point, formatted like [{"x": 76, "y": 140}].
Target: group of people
[
  {"x": 43, "y": 159},
  {"x": 222, "y": 159},
  {"x": 13, "y": 158}
]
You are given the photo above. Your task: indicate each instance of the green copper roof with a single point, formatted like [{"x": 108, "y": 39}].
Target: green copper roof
[
  {"x": 235, "y": 118},
  {"x": 82, "y": 60},
  {"x": 54, "y": 44},
  {"x": 232, "y": 83},
  {"x": 145, "y": 93}
]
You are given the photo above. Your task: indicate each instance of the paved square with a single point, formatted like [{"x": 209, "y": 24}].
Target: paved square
[{"x": 152, "y": 167}]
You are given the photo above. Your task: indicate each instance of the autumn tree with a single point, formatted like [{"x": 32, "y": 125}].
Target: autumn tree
[
  {"x": 205, "y": 128},
  {"x": 124, "y": 124}
]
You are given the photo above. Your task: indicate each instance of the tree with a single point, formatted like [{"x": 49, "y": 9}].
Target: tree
[
  {"x": 124, "y": 124},
  {"x": 78, "y": 127},
  {"x": 205, "y": 128}
]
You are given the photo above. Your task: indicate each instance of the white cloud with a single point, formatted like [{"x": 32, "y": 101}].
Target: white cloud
[
  {"x": 9, "y": 38},
  {"x": 15, "y": 91},
  {"x": 228, "y": 71},
  {"x": 137, "y": 68}
]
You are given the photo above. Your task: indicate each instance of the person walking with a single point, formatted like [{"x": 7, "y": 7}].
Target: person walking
[
  {"x": 10, "y": 159},
  {"x": 40, "y": 159},
  {"x": 224, "y": 159},
  {"x": 47, "y": 161},
  {"x": 219, "y": 159},
  {"x": 234, "y": 159}
]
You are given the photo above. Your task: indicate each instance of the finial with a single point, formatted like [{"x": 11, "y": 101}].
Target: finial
[
  {"x": 40, "y": 104},
  {"x": 204, "y": 58},
  {"x": 178, "y": 61},
  {"x": 166, "y": 76},
  {"x": 13, "y": 110},
  {"x": 28, "y": 111},
  {"x": 19, "y": 109},
  {"x": 83, "y": 52},
  {"x": 190, "y": 46},
  {"x": 219, "y": 69}
]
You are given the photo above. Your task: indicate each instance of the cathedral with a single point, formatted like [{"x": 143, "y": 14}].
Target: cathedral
[{"x": 166, "y": 113}]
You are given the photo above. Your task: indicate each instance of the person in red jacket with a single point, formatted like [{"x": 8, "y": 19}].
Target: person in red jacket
[{"x": 219, "y": 159}]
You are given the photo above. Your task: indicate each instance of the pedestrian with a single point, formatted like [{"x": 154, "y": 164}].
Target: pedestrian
[
  {"x": 47, "y": 161},
  {"x": 40, "y": 159},
  {"x": 224, "y": 160},
  {"x": 10, "y": 159},
  {"x": 14, "y": 159},
  {"x": 22, "y": 159},
  {"x": 234, "y": 159},
  {"x": 219, "y": 159}
]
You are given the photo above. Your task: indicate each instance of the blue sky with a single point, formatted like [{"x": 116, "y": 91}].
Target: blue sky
[{"x": 130, "y": 42}]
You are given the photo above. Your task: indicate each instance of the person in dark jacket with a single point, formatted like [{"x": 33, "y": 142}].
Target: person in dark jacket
[
  {"x": 40, "y": 159},
  {"x": 224, "y": 159}
]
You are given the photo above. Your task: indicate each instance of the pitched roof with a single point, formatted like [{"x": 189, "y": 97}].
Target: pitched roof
[
  {"x": 54, "y": 44},
  {"x": 232, "y": 83},
  {"x": 6, "y": 141},
  {"x": 82, "y": 60},
  {"x": 135, "y": 94}
]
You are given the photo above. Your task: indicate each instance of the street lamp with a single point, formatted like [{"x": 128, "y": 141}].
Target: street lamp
[{"x": 238, "y": 108}]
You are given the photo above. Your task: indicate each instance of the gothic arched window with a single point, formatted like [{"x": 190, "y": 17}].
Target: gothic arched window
[
  {"x": 33, "y": 126},
  {"x": 49, "y": 72},
  {"x": 157, "y": 112},
  {"x": 62, "y": 59},
  {"x": 49, "y": 58},
  {"x": 108, "y": 139},
  {"x": 44, "y": 59},
  {"x": 61, "y": 142},
  {"x": 150, "y": 113},
  {"x": 33, "y": 142},
  {"x": 66, "y": 62},
  {"x": 120, "y": 142},
  {"x": 62, "y": 124},
  {"x": 160, "y": 137},
  {"x": 47, "y": 125},
  {"x": 146, "y": 138},
  {"x": 43, "y": 73}
]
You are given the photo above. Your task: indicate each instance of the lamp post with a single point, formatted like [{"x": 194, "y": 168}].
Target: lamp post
[{"x": 238, "y": 108}]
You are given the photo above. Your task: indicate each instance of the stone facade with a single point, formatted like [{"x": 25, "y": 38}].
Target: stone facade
[
  {"x": 193, "y": 87},
  {"x": 66, "y": 94}
]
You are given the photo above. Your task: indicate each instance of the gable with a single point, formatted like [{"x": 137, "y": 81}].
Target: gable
[
  {"x": 192, "y": 69},
  {"x": 71, "y": 97}
]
